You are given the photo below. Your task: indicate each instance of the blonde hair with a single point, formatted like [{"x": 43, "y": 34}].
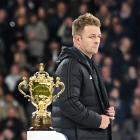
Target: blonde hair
[{"x": 82, "y": 21}]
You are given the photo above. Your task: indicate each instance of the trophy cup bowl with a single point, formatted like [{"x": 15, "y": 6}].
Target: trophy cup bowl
[{"x": 41, "y": 87}]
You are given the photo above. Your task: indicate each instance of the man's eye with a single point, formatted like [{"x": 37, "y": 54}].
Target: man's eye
[
  {"x": 92, "y": 37},
  {"x": 99, "y": 36}
]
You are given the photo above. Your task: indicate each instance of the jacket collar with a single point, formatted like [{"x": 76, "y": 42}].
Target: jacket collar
[
  {"x": 73, "y": 52},
  {"x": 82, "y": 58}
]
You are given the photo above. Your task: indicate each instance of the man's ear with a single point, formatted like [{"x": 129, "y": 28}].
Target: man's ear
[{"x": 77, "y": 40}]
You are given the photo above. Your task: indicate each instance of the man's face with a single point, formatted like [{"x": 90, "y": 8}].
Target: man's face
[{"x": 90, "y": 40}]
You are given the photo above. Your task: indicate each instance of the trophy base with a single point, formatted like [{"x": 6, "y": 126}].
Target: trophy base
[{"x": 41, "y": 122}]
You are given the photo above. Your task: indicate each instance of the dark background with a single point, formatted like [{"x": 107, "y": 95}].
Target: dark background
[{"x": 33, "y": 31}]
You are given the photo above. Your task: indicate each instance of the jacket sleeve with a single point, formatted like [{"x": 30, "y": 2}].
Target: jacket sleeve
[{"x": 69, "y": 101}]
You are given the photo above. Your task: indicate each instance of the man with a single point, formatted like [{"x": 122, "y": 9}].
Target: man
[{"x": 82, "y": 112}]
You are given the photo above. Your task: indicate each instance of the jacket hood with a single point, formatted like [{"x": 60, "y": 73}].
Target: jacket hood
[{"x": 71, "y": 52}]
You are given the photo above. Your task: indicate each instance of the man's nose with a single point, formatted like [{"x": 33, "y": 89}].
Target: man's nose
[
  {"x": 97, "y": 39},
  {"x": 96, "y": 43}
]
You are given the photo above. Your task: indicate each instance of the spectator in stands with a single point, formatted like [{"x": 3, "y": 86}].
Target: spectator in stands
[
  {"x": 12, "y": 78},
  {"x": 36, "y": 35},
  {"x": 131, "y": 127},
  {"x": 64, "y": 32},
  {"x": 106, "y": 74},
  {"x": 12, "y": 124}
]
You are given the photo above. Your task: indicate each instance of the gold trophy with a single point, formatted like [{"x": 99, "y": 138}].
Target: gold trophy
[{"x": 41, "y": 87}]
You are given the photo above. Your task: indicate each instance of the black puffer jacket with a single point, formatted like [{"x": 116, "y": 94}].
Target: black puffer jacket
[{"x": 76, "y": 112}]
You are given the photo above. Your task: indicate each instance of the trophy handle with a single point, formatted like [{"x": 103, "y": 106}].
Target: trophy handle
[
  {"x": 24, "y": 83},
  {"x": 57, "y": 84}
]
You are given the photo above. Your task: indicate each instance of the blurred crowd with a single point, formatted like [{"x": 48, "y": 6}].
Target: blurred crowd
[{"x": 33, "y": 31}]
